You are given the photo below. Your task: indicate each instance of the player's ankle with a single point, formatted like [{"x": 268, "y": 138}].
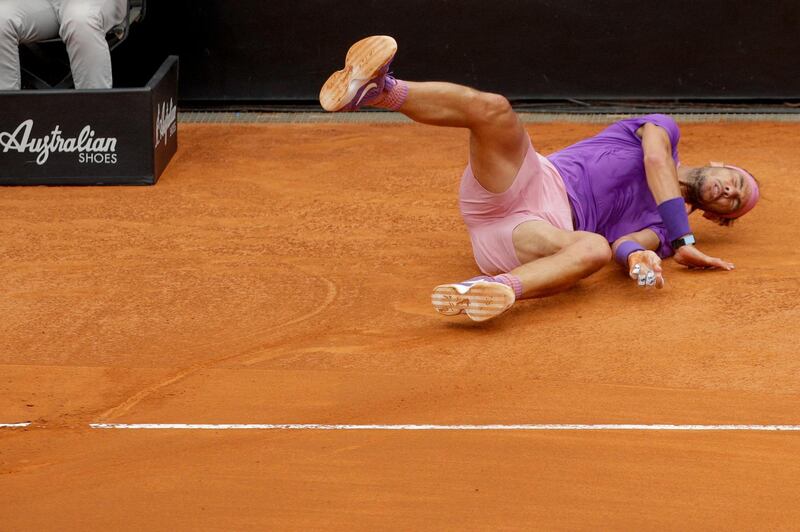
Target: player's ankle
[
  {"x": 393, "y": 96},
  {"x": 511, "y": 281}
]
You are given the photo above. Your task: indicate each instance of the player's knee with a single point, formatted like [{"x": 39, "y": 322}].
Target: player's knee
[
  {"x": 79, "y": 19},
  {"x": 595, "y": 252},
  {"x": 492, "y": 108}
]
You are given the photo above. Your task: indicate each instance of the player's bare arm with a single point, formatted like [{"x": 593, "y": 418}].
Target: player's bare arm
[{"x": 662, "y": 178}]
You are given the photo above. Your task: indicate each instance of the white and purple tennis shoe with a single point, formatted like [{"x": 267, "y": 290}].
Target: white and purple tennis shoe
[
  {"x": 364, "y": 78},
  {"x": 480, "y": 299}
]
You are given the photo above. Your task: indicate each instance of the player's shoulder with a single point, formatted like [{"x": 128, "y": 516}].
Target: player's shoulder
[
  {"x": 659, "y": 119},
  {"x": 667, "y": 122}
]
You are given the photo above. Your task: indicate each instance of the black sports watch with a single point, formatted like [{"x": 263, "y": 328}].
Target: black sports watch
[{"x": 683, "y": 241}]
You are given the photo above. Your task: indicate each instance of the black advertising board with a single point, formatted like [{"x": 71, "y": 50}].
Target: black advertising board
[
  {"x": 90, "y": 137},
  {"x": 164, "y": 115}
]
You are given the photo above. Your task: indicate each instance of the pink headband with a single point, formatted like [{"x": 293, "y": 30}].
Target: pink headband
[{"x": 754, "y": 194}]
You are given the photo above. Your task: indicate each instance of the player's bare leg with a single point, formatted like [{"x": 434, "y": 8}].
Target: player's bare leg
[
  {"x": 553, "y": 259},
  {"x": 498, "y": 141}
]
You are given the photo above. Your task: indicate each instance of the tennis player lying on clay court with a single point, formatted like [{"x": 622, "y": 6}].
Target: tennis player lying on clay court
[{"x": 540, "y": 224}]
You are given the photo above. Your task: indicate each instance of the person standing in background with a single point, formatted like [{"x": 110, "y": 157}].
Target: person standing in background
[{"x": 81, "y": 24}]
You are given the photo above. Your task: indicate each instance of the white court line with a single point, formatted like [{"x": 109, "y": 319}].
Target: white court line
[
  {"x": 313, "y": 426},
  {"x": 14, "y": 425}
]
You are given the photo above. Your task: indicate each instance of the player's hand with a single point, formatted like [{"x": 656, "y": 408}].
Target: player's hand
[
  {"x": 644, "y": 267},
  {"x": 692, "y": 257}
]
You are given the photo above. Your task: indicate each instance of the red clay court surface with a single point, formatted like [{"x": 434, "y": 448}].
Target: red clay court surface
[{"x": 282, "y": 274}]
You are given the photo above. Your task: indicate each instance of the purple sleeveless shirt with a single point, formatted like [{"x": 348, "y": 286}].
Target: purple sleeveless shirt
[{"x": 606, "y": 181}]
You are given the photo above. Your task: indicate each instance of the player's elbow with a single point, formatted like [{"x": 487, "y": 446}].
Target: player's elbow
[{"x": 657, "y": 159}]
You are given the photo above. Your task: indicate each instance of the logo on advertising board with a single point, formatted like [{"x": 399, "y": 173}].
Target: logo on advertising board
[
  {"x": 166, "y": 121},
  {"x": 90, "y": 148}
]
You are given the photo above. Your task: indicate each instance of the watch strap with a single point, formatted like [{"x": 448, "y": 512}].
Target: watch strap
[{"x": 685, "y": 240}]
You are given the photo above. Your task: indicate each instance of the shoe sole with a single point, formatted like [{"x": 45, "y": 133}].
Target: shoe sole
[
  {"x": 481, "y": 302},
  {"x": 363, "y": 62}
]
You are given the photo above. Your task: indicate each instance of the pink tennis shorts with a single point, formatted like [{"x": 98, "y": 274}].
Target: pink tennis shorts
[{"x": 537, "y": 193}]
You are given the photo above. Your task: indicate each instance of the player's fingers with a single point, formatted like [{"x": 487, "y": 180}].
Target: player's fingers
[
  {"x": 721, "y": 264},
  {"x": 650, "y": 279},
  {"x": 659, "y": 281},
  {"x": 642, "y": 279},
  {"x": 634, "y": 273}
]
